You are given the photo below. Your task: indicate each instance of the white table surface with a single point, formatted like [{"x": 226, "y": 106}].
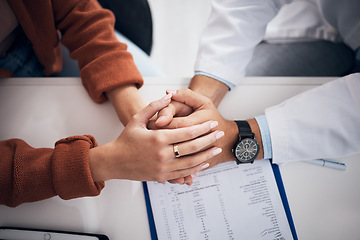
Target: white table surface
[{"x": 325, "y": 203}]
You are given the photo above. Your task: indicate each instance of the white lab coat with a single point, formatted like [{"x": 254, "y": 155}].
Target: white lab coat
[
  {"x": 235, "y": 27},
  {"x": 321, "y": 123}
]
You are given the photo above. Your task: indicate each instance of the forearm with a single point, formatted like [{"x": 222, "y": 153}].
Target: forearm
[
  {"x": 209, "y": 87},
  {"x": 98, "y": 161},
  {"x": 127, "y": 102}
]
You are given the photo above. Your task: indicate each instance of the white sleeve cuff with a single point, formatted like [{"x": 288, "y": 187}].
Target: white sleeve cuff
[
  {"x": 229, "y": 84},
  {"x": 265, "y": 136}
]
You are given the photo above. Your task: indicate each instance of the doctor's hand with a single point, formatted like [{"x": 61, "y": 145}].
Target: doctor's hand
[
  {"x": 148, "y": 155},
  {"x": 202, "y": 109},
  {"x": 206, "y": 86}
]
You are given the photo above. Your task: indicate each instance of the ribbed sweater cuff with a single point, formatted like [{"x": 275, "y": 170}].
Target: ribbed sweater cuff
[{"x": 71, "y": 170}]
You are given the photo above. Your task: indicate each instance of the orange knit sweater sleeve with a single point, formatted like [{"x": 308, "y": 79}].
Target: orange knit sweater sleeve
[
  {"x": 88, "y": 32},
  {"x": 30, "y": 174}
]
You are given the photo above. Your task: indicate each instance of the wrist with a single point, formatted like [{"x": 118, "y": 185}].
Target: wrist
[
  {"x": 101, "y": 164},
  {"x": 96, "y": 169},
  {"x": 127, "y": 102},
  {"x": 233, "y": 133},
  {"x": 209, "y": 87},
  {"x": 256, "y": 130}
]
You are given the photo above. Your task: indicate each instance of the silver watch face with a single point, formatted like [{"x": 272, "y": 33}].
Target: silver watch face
[{"x": 247, "y": 150}]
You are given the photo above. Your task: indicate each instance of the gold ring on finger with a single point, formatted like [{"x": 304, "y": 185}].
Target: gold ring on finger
[{"x": 176, "y": 150}]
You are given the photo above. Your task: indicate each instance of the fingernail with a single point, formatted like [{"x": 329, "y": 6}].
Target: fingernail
[
  {"x": 220, "y": 134},
  {"x": 171, "y": 91},
  {"x": 213, "y": 124},
  {"x": 217, "y": 151},
  {"x": 205, "y": 166},
  {"x": 166, "y": 97},
  {"x": 193, "y": 176}
]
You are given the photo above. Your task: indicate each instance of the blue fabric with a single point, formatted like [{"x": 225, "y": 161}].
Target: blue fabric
[
  {"x": 21, "y": 59},
  {"x": 229, "y": 84},
  {"x": 265, "y": 136},
  {"x": 142, "y": 61}
]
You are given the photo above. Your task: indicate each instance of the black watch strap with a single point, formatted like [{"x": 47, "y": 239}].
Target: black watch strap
[{"x": 244, "y": 129}]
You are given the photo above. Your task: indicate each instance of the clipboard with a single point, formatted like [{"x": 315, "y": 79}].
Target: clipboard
[{"x": 280, "y": 186}]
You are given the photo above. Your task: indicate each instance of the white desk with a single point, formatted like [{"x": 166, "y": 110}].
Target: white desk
[{"x": 325, "y": 203}]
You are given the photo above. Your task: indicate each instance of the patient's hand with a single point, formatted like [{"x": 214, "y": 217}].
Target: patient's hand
[{"x": 148, "y": 155}]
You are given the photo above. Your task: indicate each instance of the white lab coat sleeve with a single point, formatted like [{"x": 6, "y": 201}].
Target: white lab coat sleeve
[
  {"x": 322, "y": 123},
  {"x": 233, "y": 30}
]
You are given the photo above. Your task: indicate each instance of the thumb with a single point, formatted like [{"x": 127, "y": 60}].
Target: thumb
[
  {"x": 175, "y": 108},
  {"x": 188, "y": 97},
  {"x": 165, "y": 116},
  {"x": 149, "y": 111}
]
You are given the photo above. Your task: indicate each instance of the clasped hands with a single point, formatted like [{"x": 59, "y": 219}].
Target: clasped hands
[
  {"x": 189, "y": 108},
  {"x": 144, "y": 151}
]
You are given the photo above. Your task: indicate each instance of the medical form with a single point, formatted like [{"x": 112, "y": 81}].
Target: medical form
[{"x": 228, "y": 201}]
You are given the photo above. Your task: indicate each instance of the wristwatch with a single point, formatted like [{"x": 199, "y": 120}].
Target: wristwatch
[{"x": 246, "y": 149}]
